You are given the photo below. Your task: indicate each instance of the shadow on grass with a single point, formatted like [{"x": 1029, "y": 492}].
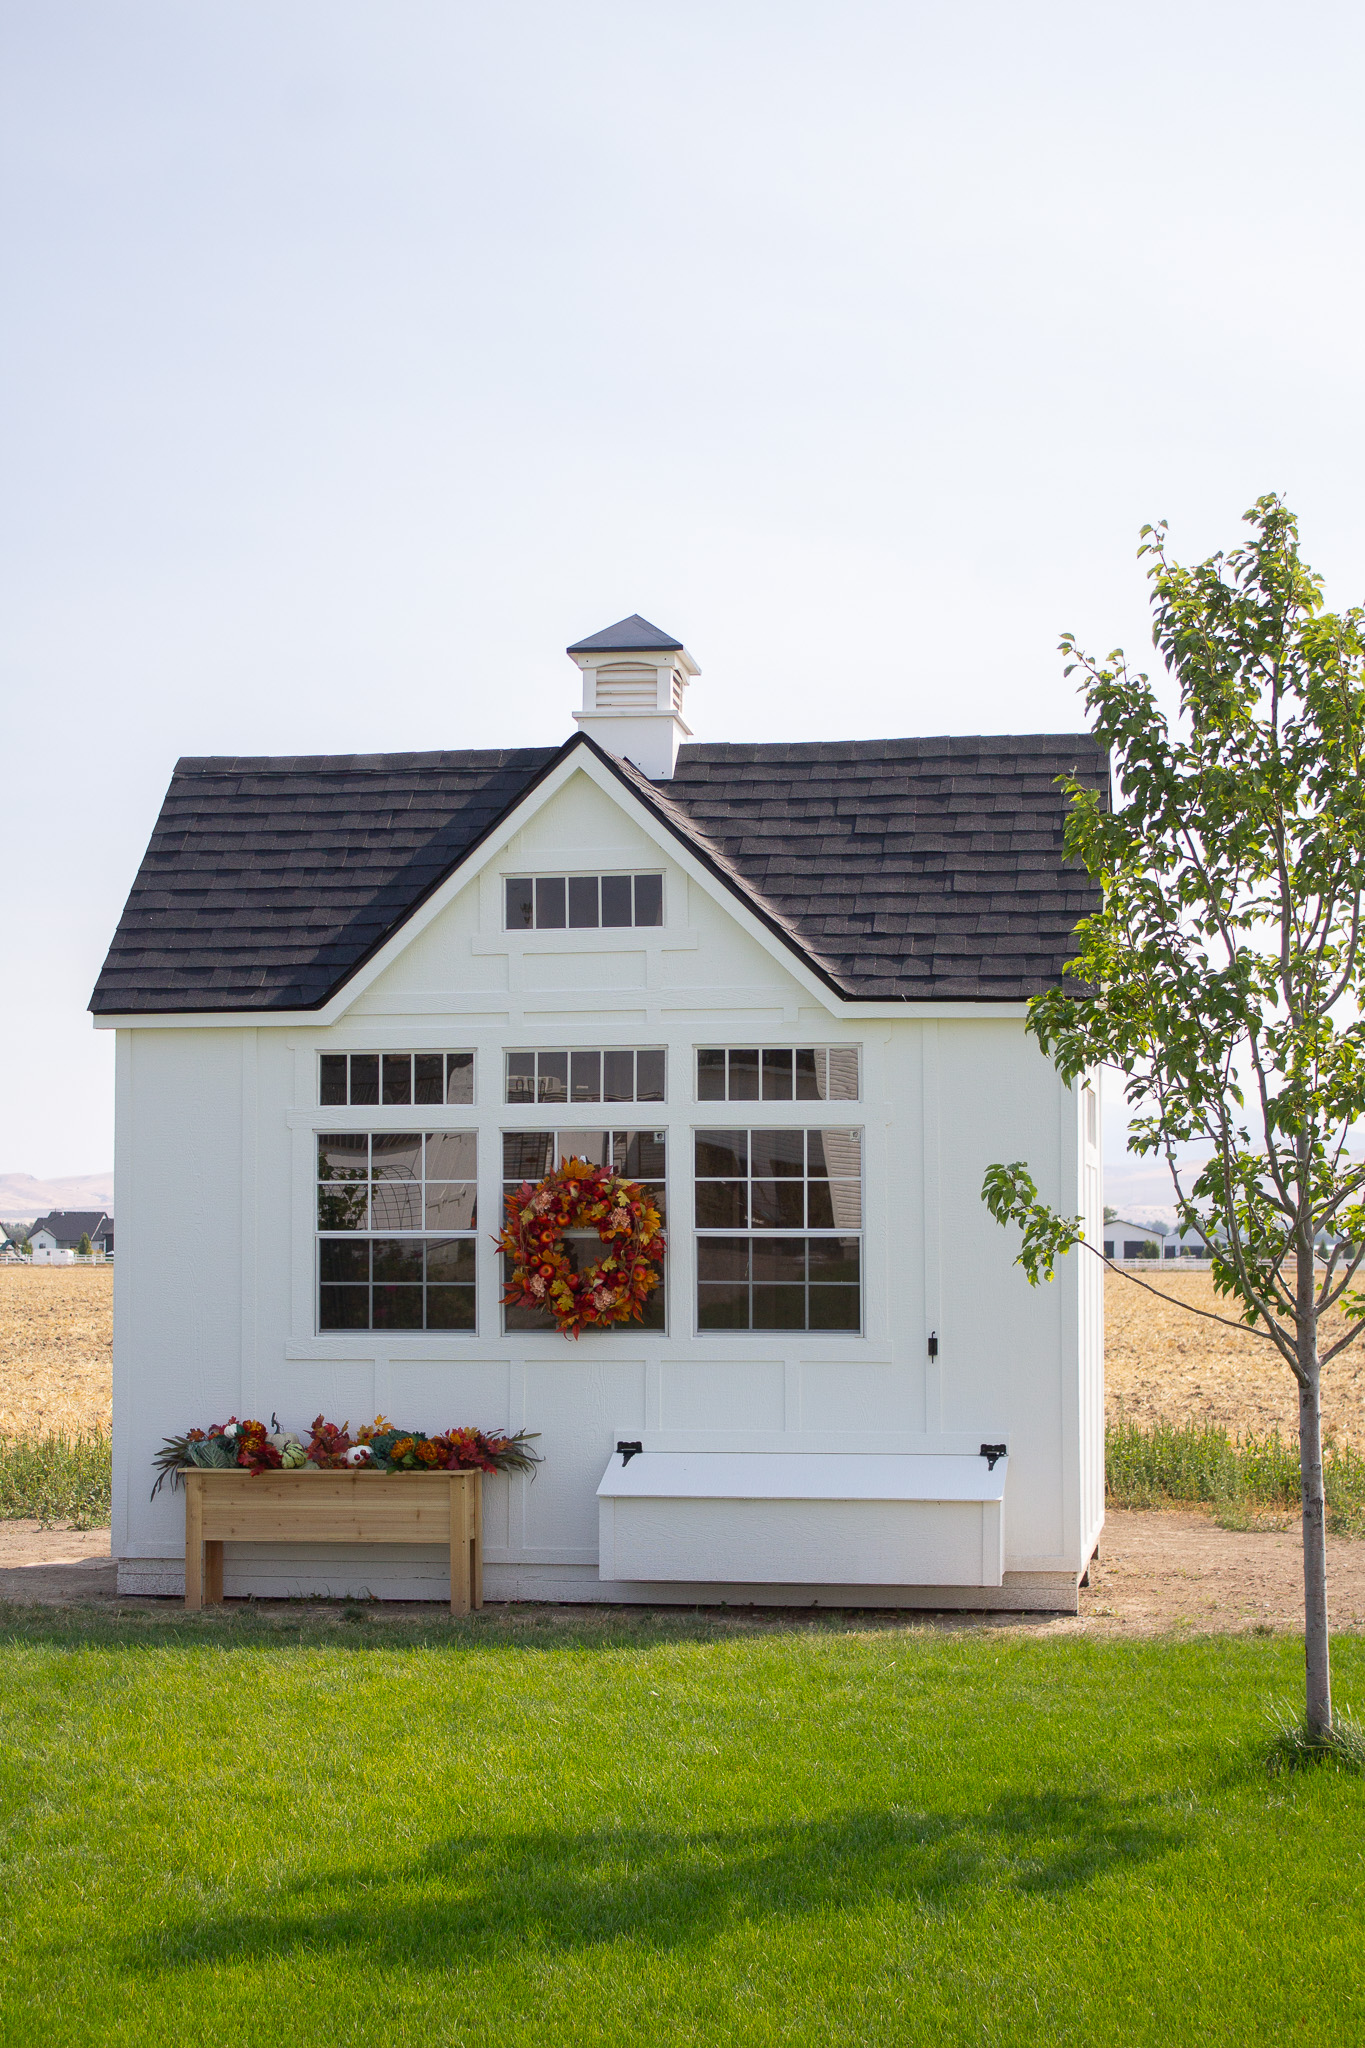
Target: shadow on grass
[
  {"x": 556, "y": 1890},
  {"x": 376, "y": 1625}
]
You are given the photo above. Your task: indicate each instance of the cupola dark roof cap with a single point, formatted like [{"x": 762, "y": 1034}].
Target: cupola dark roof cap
[{"x": 627, "y": 636}]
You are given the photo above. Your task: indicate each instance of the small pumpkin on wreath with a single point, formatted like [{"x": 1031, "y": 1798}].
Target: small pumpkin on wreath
[{"x": 579, "y": 1196}]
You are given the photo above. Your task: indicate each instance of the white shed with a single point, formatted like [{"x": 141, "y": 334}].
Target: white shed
[{"x": 781, "y": 984}]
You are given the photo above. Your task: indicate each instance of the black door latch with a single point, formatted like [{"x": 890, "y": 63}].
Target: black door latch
[
  {"x": 629, "y": 1451},
  {"x": 990, "y": 1452}
]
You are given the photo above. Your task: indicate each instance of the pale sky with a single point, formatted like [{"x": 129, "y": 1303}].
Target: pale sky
[{"x": 358, "y": 358}]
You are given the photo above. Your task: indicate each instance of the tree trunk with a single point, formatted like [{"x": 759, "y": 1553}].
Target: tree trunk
[{"x": 1316, "y": 1646}]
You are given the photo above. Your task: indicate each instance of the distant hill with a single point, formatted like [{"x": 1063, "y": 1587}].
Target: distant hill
[{"x": 22, "y": 1198}]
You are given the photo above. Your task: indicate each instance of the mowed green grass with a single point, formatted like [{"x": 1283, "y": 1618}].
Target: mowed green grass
[{"x": 336, "y": 1829}]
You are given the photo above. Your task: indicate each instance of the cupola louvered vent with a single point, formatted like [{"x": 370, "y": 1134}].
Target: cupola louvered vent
[
  {"x": 627, "y": 683},
  {"x": 634, "y": 677}
]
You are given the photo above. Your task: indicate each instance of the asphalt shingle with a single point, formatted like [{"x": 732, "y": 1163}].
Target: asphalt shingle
[{"x": 911, "y": 868}]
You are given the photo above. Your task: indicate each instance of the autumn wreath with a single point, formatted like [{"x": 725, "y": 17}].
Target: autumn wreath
[{"x": 577, "y": 1196}]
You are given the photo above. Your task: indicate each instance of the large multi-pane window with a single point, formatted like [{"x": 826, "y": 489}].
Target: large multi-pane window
[
  {"x": 639, "y": 1155},
  {"x": 396, "y": 1213},
  {"x": 556, "y": 903},
  {"x": 395, "y": 1078},
  {"x": 780, "y": 1073},
  {"x": 779, "y": 1229},
  {"x": 603, "y": 1074}
]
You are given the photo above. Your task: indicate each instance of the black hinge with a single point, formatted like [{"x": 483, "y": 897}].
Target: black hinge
[
  {"x": 629, "y": 1451},
  {"x": 990, "y": 1452},
  {"x": 933, "y": 1343}
]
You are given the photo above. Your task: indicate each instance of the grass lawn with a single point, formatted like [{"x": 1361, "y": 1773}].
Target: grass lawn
[{"x": 552, "y": 1829}]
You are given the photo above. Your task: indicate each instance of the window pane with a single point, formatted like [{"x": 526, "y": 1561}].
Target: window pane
[
  {"x": 450, "y": 1259},
  {"x": 364, "y": 1077},
  {"x": 582, "y": 901},
  {"x": 398, "y": 1077},
  {"x": 833, "y": 1258},
  {"x": 452, "y": 1155},
  {"x": 398, "y": 1308},
  {"x": 649, "y": 899},
  {"x": 639, "y": 1154},
  {"x": 616, "y": 904},
  {"x": 333, "y": 1081},
  {"x": 743, "y": 1076},
  {"x": 395, "y": 1155},
  {"x": 618, "y": 1076},
  {"x": 722, "y": 1155},
  {"x": 843, "y": 1073},
  {"x": 819, "y": 1205},
  {"x": 778, "y": 1205},
  {"x": 428, "y": 1080},
  {"x": 527, "y": 1155},
  {"x": 723, "y": 1258},
  {"x": 594, "y": 1146},
  {"x": 711, "y": 1074},
  {"x": 521, "y": 1077},
  {"x": 343, "y": 1208},
  {"x": 396, "y": 1205},
  {"x": 344, "y": 1308},
  {"x": 722, "y": 1204},
  {"x": 397, "y": 1258},
  {"x": 777, "y": 1154},
  {"x": 519, "y": 903},
  {"x": 344, "y": 1259},
  {"x": 810, "y": 1074},
  {"x": 649, "y": 1077},
  {"x": 585, "y": 1077},
  {"x": 836, "y": 1153},
  {"x": 451, "y": 1205},
  {"x": 549, "y": 903},
  {"x": 834, "y": 1308},
  {"x": 775, "y": 1308},
  {"x": 343, "y": 1155},
  {"x": 552, "y": 1069},
  {"x": 459, "y": 1077},
  {"x": 450, "y": 1308},
  {"x": 777, "y": 1077},
  {"x": 722, "y": 1307},
  {"x": 780, "y": 1260}
]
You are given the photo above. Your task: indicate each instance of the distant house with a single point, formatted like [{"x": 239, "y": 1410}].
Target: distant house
[
  {"x": 1124, "y": 1239},
  {"x": 61, "y": 1230}
]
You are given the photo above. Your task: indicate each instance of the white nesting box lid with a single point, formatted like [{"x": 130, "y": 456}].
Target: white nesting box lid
[{"x": 802, "y": 1475}]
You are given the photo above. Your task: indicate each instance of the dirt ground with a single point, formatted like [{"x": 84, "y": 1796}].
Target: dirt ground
[
  {"x": 56, "y": 1348},
  {"x": 1155, "y": 1573}
]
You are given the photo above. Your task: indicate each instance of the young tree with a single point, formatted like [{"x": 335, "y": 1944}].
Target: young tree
[
  {"x": 1224, "y": 974},
  {"x": 84, "y": 1248}
]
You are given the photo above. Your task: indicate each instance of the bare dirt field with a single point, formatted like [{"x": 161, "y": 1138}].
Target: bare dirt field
[
  {"x": 1161, "y": 1361},
  {"x": 56, "y": 1333},
  {"x": 56, "y": 1348}
]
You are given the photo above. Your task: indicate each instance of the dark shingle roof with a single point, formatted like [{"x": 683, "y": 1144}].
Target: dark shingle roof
[
  {"x": 926, "y": 869},
  {"x": 69, "y": 1226},
  {"x": 627, "y": 636}
]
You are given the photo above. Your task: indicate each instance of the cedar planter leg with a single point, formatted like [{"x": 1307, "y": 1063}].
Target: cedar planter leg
[
  {"x": 459, "y": 1546},
  {"x": 213, "y": 1574},
  {"x": 194, "y": 1542},
  {"x": 476, "y": 1541}
]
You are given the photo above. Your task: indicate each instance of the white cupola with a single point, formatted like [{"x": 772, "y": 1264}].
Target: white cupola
[{"x": 634, "y": 677}]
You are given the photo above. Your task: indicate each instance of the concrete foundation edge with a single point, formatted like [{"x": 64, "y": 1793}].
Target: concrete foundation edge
[{"x": 243, "y": 1579}]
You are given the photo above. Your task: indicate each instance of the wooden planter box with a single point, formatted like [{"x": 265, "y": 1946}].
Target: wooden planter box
[{"x": 310, "y": 1506}]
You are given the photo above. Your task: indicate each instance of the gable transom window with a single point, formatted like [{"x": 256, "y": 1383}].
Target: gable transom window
[
  {"x": 396, "y": 1216},
  {"x": 779, "y": 1219},
  {"x": 639, "y": 1155},
  {"x": 556, "y": 903},
  {"x": 599, "y": 1074},
  {"x": 366, "y": 1078},
  {"x": 802, "y": 1073}
]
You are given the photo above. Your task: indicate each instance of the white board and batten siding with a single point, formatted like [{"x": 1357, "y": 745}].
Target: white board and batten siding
[{"x": 216, "y": 1276}]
